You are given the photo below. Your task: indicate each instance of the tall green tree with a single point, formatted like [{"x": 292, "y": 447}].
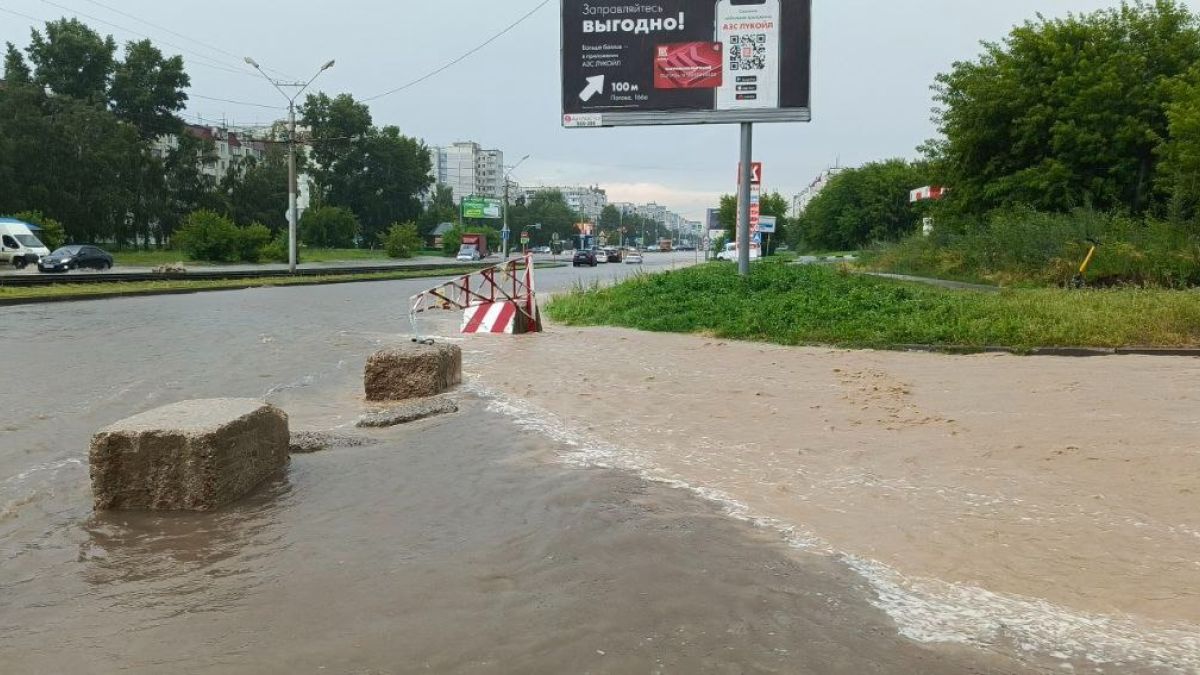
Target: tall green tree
[
  {"x": 148, "y": 90},
  {"x": 73, "y": 60},
  {"x": 256, "y": 191},
  {"x": 1066, "y": 112},
  {"x": 381, "y": 179},
  {"x": 441, "y": 209},
  {"x": 16, "y": 71},
  {"x": 1180, "y": 170},
  {"x": 549, "y": 209},
  {"x": 862, "y": 206}
]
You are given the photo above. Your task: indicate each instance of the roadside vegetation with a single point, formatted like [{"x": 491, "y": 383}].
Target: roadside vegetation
[
  {"x": 1041, "y": 157},
  {"x": 818, "y": 305}
]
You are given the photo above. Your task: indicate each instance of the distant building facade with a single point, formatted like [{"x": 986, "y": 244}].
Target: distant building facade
[
  {"x": 230, "y": 148},
  {"x": 469, "y": 170}
]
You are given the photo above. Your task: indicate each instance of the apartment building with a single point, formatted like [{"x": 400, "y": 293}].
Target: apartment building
[{"x": 469, "y": 170}]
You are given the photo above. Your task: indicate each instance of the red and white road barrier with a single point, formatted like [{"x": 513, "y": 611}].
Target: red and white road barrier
[
  {"x": 928, "y": 193},
  {"x": 500, "y": 300}
]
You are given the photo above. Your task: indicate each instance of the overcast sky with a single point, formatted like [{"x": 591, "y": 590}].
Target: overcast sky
[{"x": 873, "y": 63}]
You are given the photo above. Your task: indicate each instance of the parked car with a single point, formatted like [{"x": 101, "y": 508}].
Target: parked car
[
  {"x": 76, "y": 257},
  {"x": 468, "y": 255},
  {"x": 584, "y": 258},
  {"x": 613, "y": 255},
  {"x": 633, "y": 258}
]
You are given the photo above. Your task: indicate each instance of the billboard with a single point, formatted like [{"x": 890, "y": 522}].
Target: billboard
[
  {"x": 484, "y": 208},
  {"x": 685, "y": 62},
  {"x": 768, "y": 224}
]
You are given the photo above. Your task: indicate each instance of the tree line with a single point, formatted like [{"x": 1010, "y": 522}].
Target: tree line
[
  {"x": 81, "y": 119},
  {"x": 1089, "y": 113}
]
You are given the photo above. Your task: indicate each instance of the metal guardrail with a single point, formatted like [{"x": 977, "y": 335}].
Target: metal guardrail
[{"x": 209, "y": 275}]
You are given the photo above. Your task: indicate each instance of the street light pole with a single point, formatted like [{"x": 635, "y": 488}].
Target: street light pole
[
  {"x": 293, "y": 180},
  {"x": 506, "y": 234}
]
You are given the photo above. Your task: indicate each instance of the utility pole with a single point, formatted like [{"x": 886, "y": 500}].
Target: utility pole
[
  {"x": 506, "y": 234},
  {"x": 293, "y": 180},
  {"x": 747, "y": 176}
]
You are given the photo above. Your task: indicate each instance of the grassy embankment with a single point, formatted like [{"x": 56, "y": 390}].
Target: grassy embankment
[
  {"x": 808, "y": 305},
  {"x": 1026, "y": 248},
  {"x": 11, "y": 295}
]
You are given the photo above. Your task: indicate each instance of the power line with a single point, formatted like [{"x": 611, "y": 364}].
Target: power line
[
  {"x": 20, "y": 14},
  {"x": 462, "y": 58},
  {"x": 177, "y": 34},
  {"x": 245, "y": 103}
]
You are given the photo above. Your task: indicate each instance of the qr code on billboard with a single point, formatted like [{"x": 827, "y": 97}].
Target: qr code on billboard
[{"x": 748, "y": 52}]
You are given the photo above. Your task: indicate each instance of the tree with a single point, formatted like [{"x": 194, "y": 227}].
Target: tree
[
  {"x": 1180, "y": 171},
  {"x": 402, "y": 240},
  {"x": 441, "y": 209},
  {"x": 862, "y": 206},
  {"x": 257, "y": 190},
  {"x": 73, "y": 60},
  {"x": 770, "y": 204},
  {"x": 187, "y": 187},
  {"x": 379, "y": 174},
  {"x": 329, "y": 227},
  {"x": 548, "y": 208},
  {"x": 53, "y": 234},
  {"x": 148, "y": 89},
  {"x": 1066, "y": 112},
  {"x": 16, "y": 71}
]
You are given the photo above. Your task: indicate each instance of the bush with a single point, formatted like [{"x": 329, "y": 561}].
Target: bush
[
  {"x": 252, "y": 242},
  {"x": 329, "y": 227},
  {"x": 53, "y": 234},
  {"x": 401, "y": 240},
  {"x": 209, "y": 236},
  {"x": 276, "y": 250}
]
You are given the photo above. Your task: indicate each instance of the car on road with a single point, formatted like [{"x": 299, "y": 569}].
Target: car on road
[
  {"x": 584, "y": 257},
  {"x": 544, "y": 250},
  {"x": 468, "y": 255},
  {"x": 731, "y": 253},
  {"x": 76, "y": 257},
  {"x": 601, "y": 256},
  {"x": 633, "y": 258},
  {"x": 613, "y": 254}
]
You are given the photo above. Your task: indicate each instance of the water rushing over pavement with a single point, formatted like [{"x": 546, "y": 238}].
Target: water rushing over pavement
[{"x": 457, "y": 545}]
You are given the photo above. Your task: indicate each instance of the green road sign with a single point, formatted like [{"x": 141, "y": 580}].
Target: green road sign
[{"x": 483, "y": 208}]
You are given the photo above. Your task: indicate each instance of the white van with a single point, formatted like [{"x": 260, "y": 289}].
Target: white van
[
  {"x": 18, "y": 246},
  {"x": 731, "y": 252}
]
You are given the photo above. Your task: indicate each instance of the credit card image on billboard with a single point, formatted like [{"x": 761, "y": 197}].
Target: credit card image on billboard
[
  {"x": 749, "y": 31},
  {"x": 689, "y": 65}
]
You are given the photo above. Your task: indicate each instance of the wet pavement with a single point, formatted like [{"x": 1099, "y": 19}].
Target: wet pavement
[{"x": 457, "y": 545}]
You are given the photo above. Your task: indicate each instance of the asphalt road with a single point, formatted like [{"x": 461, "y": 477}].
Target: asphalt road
[{"x": 124, "y": 269}]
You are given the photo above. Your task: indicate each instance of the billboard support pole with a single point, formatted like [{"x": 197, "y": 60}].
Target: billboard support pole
[{"x": 744, "y": 181}]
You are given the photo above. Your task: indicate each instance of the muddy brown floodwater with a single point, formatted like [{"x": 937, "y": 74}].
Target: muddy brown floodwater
[
  {"x": 1048, "y": 503},
  {"x": 459, "y": 545}
]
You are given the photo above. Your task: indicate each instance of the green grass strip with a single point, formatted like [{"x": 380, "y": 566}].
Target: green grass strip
[{"x": 817, "y": 305}]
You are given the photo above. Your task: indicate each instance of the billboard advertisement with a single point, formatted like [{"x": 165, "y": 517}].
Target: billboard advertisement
[
  {"x": 482, "y": 208},
  {"x": 685, "y": 62}
]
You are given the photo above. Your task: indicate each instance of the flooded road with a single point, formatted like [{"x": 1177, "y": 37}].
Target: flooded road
[{"x": 457, "y": 545}]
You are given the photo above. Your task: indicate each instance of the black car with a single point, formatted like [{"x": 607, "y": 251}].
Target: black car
[
  {"x": 614, "y": 255},
  {"x": 76, "y": 257},
  {"x": 584, "y": 257}
]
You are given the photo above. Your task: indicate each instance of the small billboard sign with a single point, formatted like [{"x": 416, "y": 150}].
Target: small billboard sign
[{"x": 483, "y": 208}]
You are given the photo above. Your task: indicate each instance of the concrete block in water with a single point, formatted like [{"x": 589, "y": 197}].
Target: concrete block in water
[
  {"x": 190, "y": 456},
  {"x": 412, "y": 371}
]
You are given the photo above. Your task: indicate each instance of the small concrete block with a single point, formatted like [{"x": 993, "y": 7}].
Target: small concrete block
[
  {"x": 411, "y": 411},
  {"x": 412, "y": 371},
  {"x": 190, "y": 456}
]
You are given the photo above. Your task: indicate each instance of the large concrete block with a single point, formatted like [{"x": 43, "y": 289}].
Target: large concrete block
[
  {"x": 412, "y": 371},
  {"x": 190, "y": 456}
]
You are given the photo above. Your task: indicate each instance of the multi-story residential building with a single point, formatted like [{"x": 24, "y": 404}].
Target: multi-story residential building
[
  {"x": 587, "y": 201},
  {"x": 469, "y": 170},
  {"x": 230, "y": 148}
]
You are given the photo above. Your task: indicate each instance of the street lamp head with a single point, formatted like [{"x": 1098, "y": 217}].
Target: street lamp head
[
  {"x": 252, "y": 62},
  {"x": 327, "y": 66}
]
